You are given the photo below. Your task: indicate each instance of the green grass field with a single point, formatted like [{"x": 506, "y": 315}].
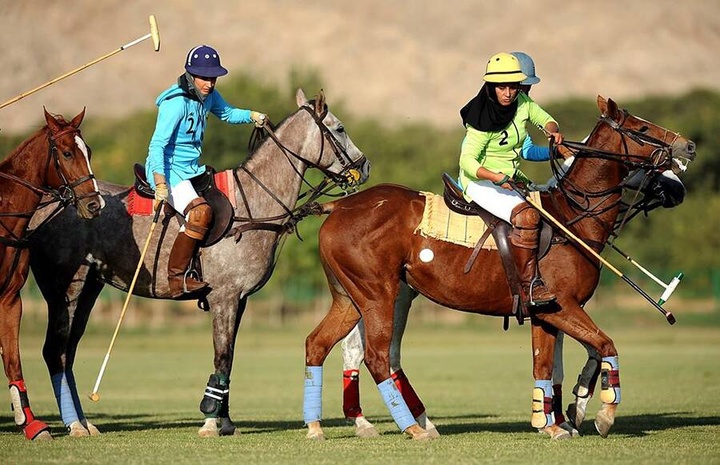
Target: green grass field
[{"x": 475, "y": 380}]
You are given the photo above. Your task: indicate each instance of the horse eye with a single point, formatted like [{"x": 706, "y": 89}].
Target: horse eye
[
  {"x": 67, "y": 154},
  {"x": 340, "y": 129},
  {"x": 644, "y": 129}
]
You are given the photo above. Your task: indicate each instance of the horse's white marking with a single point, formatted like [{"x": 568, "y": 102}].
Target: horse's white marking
[
  {"x": 537, "y": 352},
  {"x": 83, "y": 148},
  {"x": 426, "y": 255}
]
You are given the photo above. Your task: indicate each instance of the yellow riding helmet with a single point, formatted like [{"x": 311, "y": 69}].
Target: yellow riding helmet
[{"x": 503, "y": 67}]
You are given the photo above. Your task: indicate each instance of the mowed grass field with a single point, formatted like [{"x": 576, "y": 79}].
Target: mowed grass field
[{"x": 475, "y": 380}]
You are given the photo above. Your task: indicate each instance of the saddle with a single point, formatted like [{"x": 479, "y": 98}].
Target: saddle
[
  {"x": 205, "y": 186},
  {"x": 455, "y": 200}
]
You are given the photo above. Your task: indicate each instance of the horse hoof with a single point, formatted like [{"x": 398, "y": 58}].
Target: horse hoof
[
  {"x": 92, "y": 429},
  {"x": 570, "y": 429},
  {"x": 77, "y": 430},
  {"x": 556, "y": 433},
  {"x": 209, "y": 429},
  {"x": 417, "y": 433},
  {"x": 603, "y": 423},
  {"x": 43, "y": 436},
  {"x": 364, "y": 429},
  {"x": 433, "y": 432},
  {"x": 315, "y": 435}
]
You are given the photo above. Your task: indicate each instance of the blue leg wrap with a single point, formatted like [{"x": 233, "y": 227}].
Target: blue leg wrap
[
  {"x": 70, "y": 376},
  {"x": 312, "y": 402},
  {"x": 396, "y": 404},
  {"x": 64, "y": 398}
]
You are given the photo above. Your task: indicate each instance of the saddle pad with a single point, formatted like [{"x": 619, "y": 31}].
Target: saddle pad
[
  {"x": 439, "y": 222},
  {"x": 143, "y": 206}
]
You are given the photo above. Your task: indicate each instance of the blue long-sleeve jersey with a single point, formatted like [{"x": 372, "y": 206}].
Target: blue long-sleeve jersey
[{"x": 176, "y": 144}]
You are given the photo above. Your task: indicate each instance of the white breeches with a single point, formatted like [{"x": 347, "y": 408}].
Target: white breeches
[{"x": 498, "y": 201}]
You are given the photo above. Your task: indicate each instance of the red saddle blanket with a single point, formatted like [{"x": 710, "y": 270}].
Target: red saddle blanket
[{"x": 143, "y": 206}]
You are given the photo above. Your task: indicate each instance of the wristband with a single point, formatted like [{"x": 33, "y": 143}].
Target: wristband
[{"x": 505, "y": 179}]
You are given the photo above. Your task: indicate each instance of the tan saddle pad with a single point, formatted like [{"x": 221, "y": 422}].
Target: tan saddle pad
[{"x": 439, "y": 222}]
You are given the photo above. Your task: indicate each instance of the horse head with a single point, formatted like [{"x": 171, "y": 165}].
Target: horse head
[
  {"x": 339, "y": 158},
  {"x": 646, "y": 140},
  {"x": 72, "y": 175}
]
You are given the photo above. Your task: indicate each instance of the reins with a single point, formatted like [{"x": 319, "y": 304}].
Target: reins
[
  {"x": 582, "y": 200},
  {"x": 294, "y": 215},
  {"x": 63, "y": 195}
]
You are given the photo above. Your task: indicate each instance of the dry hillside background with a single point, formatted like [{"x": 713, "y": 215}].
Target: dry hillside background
[{"x": 402, "y": 60}]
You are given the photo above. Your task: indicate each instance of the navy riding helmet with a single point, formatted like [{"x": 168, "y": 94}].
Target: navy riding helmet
[{"x": 204, "y": 61}]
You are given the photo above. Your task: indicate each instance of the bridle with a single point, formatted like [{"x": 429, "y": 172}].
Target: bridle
[
  {"x": 593, "y": 204},
  {"x": 63, "y": 195},
  {"x": 347, "y": 179}
]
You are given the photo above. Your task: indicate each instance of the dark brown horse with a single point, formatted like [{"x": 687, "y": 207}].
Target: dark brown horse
[
  {"x": 54, "y": 162},
  {"x": 368, "y": 245}
]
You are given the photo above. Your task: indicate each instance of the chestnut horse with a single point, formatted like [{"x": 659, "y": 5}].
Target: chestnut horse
[
  {"x": 368, "y": 245},
  {"x": 644, "y": 195},
  {"x": 54, "y": 162}
]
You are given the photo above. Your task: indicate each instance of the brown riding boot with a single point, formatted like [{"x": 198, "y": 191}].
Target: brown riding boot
[
  {"x": 182, "y": 252},
  {"x": 525, "y": 238}
]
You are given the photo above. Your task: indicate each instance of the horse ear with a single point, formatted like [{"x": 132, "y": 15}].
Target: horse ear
[
  {"x": 602, "y": 104},
  {"x": 51, "y": 121},
  {"x": 612, "y": 109},
  {"x": 78, "y": 119},
  {"x": 300, "y": 98},
  {"x": 320, "y": 103}
]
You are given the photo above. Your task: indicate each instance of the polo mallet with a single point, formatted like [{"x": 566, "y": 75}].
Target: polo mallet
[
  {"x": 154, "y": 33},
  {"x": 668, "y": 315},
  {"x": 94, "y": 396},
  {"x": 669, "y": 288}
]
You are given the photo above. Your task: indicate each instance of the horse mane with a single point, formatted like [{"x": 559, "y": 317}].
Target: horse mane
[{"x": 25, "y": 144}]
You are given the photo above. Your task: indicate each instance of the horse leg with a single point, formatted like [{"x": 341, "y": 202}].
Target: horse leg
[
  {"x": 557, "y": 380},
  {"x": 403, "y": 301},
  {"x": 576, "y": 323},
  {"x": 585, "y": 387},
  {"x": 352, "y": 353},
  {"x": 543, "y": 345},
  {"x": 215, "y": 404},
  {"x": 10, "y": 314},
  {"x": 68, "y": 313},
  {"x": 353, "y": 348},
  {"x": 339, "y": 321}
]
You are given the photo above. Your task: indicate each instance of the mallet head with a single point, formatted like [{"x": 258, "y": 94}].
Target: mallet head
[
  {"x": 154, "y": 32},
  {"x": 94, "y": 396}
]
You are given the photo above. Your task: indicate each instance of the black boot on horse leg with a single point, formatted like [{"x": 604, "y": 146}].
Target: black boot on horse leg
[
  {"x": 199, "y": 216},
  {"x": 525, "y": 238}
]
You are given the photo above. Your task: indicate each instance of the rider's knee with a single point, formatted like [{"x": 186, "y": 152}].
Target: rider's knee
[{"x": 199, "y": 216}]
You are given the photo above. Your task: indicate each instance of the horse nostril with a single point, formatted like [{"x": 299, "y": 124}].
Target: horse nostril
[{"x": 93, "y": 207}]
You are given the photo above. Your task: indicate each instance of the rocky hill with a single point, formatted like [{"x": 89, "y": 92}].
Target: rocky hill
[{"x": 404, "y": 61}]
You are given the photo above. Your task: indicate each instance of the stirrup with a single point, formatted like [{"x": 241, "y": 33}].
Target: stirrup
[
  {"x": 537, "y": 281},
  {"x": 192, "y": 274}
]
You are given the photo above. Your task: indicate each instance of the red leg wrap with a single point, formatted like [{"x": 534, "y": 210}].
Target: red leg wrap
[
  {"x": 24, "y": 417},
  {"x": 557, "y": 404},
  {"x": 411, "y": 398},
  {"x": 351, "y": 394}
]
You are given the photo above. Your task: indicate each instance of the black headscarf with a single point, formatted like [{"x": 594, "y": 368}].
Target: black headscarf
[{"x": 485, "y": 113}]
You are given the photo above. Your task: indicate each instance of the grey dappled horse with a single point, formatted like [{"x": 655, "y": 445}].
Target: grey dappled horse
[
  {"x": 665, "y": 190},
  {"x": 73, "y": 259}
]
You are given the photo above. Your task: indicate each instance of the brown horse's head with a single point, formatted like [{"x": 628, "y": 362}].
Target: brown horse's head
[
  {"x": 69, "y": 168},
  {"x": 643, "y": 137}
]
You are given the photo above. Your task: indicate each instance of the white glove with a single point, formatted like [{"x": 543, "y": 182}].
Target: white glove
[{"x": 258, "y": 118}]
